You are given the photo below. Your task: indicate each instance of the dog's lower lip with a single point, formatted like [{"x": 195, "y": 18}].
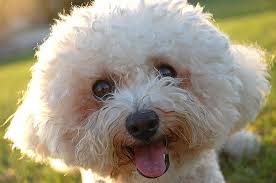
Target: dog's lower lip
[{"x": 167, "y": 161}]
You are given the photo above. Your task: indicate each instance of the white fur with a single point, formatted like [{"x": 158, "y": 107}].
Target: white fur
[
  {"x": 229, "y": 84},
  {"x": 242, "y": 144}
]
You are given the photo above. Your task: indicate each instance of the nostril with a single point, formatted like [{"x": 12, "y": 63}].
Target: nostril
[
  {"x": 153, "y": 125},
  {"x": 133, "y": 129}
]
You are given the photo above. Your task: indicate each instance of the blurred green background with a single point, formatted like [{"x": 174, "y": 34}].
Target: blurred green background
[{"x": 24, "y": 23}]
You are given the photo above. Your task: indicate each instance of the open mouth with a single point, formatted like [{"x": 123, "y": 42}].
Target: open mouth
[{"x": 151, "y": 160}]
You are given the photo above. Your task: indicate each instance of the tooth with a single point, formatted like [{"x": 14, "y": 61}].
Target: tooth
[{"x": 164, "y": 156}]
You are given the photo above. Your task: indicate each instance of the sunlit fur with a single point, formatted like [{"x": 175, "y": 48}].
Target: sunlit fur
[{"x": 220, "y": 88}]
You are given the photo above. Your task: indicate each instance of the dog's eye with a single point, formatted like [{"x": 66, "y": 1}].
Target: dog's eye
[
  {"x": 102, "y": 89},
  {"x": 166, "y": 70}
]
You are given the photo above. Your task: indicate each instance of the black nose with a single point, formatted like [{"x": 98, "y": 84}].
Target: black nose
[{"x": 142, "y": 124}]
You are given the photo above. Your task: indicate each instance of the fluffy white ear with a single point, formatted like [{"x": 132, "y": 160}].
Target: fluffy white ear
[
  {"x": 23, "y": 130},
  {"x": 252, "y": 70}
]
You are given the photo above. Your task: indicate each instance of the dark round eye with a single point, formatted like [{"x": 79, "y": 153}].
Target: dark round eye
[
  {"x": 166, "y": 70},
  {"x": 102, "y": 89}
]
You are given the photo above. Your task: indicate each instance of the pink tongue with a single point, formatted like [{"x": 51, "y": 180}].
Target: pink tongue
[{"x": 149, "y": 159}]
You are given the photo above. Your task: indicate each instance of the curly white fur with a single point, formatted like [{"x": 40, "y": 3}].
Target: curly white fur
[{"x": 228, "y": 85}]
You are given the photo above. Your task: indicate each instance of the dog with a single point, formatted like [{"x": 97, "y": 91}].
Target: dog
[{"x": 140, "y": 91}]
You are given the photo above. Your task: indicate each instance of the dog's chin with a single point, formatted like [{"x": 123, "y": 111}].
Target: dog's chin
[{"x": 151, "y": 159}]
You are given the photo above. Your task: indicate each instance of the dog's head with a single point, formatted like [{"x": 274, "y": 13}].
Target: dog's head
[{"x": 142, "y": 86}]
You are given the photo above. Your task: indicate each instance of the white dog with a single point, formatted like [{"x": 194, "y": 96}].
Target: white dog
[{"x": 140, "y": 91}]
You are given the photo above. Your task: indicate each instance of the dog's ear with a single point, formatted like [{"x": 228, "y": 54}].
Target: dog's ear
[
  {"x": 252, "y": 71},
  {"x": 24, "y": 129}
]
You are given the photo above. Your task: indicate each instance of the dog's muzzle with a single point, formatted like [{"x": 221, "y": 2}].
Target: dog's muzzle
[{"x": 151, "y": 158}]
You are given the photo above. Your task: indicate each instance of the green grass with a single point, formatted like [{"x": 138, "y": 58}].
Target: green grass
[
  {"x": 223, "y": 9},
  {"x": 246, "y": 21}
]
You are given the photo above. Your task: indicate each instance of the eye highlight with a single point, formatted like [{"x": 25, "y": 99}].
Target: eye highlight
[
  {"x": 166, "y": 70},
  {"x": 102, "y": 89}
]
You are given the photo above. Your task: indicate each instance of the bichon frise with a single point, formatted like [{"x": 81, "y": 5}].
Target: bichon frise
[{"x": 140, "y": 91}]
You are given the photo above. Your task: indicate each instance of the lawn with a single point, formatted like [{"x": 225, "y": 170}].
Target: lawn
[{"x": 246, "y": 21}]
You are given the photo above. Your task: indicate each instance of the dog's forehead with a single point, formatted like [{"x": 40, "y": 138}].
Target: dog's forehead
[
  {"x": 115, "y": 37},
  {"x": 127, "y": 67}
]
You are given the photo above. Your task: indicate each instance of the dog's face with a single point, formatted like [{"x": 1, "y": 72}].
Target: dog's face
[{"x": 137, "y": 88}]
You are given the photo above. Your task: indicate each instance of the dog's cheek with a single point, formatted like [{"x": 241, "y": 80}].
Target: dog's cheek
[
  {"x": 185, "y": 144},
  {"x": 76, "y": 102},
  {"x": 84, "y": 105}
]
